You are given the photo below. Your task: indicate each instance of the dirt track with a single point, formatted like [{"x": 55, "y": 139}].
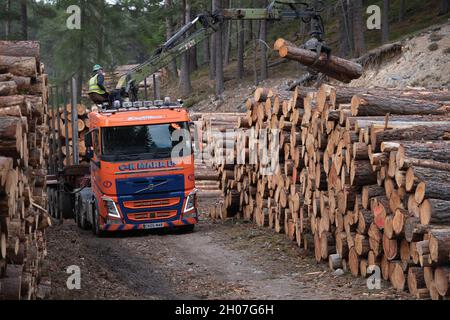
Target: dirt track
[{"x": 218, "y": 261}]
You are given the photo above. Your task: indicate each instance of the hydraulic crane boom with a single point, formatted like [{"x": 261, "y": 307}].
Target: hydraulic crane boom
[{"x": 207, "y": 24}]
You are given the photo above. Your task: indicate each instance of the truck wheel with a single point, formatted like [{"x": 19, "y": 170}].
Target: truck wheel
[
  {"x": 67, "y": 203},
  {"x": 83, "y": 221},
  {"x": 187, "y": 228},
  {"x": 50, "y": 202},
  {"x": 96, "y": 224}
]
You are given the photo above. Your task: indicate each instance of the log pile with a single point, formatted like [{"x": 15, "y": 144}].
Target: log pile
[
  {"x": 67, "y": 131},
  {"x": 363, "y": 178},
  {"x": 207, "y": 127},
  {"x": 23, "y": 157}
]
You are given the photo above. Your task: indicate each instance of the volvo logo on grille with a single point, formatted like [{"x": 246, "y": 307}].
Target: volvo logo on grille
[{"x": 152, "y": 186}]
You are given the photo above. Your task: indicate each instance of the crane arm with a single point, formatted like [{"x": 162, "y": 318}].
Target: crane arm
[{"x": 207, "y": 24}]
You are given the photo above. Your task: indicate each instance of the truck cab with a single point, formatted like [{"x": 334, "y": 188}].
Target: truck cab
[{"x": 141, "y": 170}]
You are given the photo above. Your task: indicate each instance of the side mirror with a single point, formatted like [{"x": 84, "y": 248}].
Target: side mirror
[{"x": 88, "y": 140}]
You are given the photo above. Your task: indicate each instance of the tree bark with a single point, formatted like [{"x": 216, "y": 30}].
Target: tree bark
[
  {"x": 432, "y": 150},
  {"x": 240, "y": 49},
  {"x": 444, "y": 7},
  {"x": 439, "y": 245},
  {"x": 185, "y": 79},
  {"x": 169, "y": 30},
  {"x": 335, "y": 67},
  {"x": 416, "y": 174},
  {"x": 358, "y": 28},
  {"x": 424, "y": 132},
  {"x": 376, "y": 105},
  {"x": 263, "y": 47},
  {"x": 385, "y": 22},
  {"x": 345, "y": 45},
  {"x": 8, "y": 19},
  {"x": 206, "y": 52},
  {"x": 8, "y": 88},
  {"x": 401, "y": 12},
  {"x": 212, "y": 57},
  {"x": 435, "y": 211},
  {"x": 11, "y": 137},
  {"x": 19, "y": 66},
  {"x": 227, "y": 38},
  {"x": 24, "y": 18},
  {"x": 218, "y": 53}
]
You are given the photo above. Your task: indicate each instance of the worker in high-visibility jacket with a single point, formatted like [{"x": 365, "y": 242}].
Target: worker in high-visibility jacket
[{"x": 97, "y": 91}]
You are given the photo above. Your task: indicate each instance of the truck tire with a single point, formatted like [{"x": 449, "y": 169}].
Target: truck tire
[
  {"x": 81, "y": 220},
  {"x": 50, "y": 202},
  {"x": 187, "y": 228},
  {"x": 67, "y": 205},
  {"x": 95, "y": 223}
]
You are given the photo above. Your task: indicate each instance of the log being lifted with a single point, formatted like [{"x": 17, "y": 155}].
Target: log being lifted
[{"x": 335, "y": 67}]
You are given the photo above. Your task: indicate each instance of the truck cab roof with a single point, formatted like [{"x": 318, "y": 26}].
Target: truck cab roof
[{"x": 138, "y": 116}]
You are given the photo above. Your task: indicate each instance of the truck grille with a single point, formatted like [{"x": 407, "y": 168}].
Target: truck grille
[
  {"x": 151, "y": 203},
  {"x": 152, "y": 215}
]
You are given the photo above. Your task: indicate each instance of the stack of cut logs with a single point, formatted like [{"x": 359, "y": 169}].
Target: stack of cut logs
[
  {"x": 207, "y": 178},
  {"x": 363, "y": 177},
  {"x": 83, "y": 128},
  {"x": 23, "y": 157}
]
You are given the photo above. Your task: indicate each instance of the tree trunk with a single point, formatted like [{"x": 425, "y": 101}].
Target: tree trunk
[
  {"x": 206, "y": 52},
  {"x": 335, "y": 67},
  {"x": 263, "y": 49},
  {"x": 8, "y": 88},
  {"x": 435, "y": 211},
  {"x": 169, "y": 30},
  {"x": 185, "y": 79},
  {"x": 24, "y": 18},
  {"x": 212, "y": 57},
  {"x": 444, "y": 7},
  {"x": 385, "y": 22},
  {"x": 358, "y": 28},
  {"x": 420, "y": 132},
  {"x": 416, "y": 174},
  {"x": 344, "y": 36},
  {"x": 193, "y": 65},
  {"x": 19, "y": 66},
  {"x": 218, "y": 53},
  {"x": 376, "y": 105},
  {"x": 8, "y": 20},
  {"x": 227, "y": 39},
  {"x": 240, "y": 49},
  {"x": 439, "y": 245},
  {"x": 436, "y": 150},
  {"x": 401, "y": 12}
]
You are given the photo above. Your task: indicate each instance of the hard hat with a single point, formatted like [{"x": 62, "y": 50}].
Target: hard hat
[{"x": 96, "y": 68}]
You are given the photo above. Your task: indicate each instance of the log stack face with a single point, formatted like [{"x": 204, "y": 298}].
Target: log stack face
[
  {"x": 23, "y": 158},
  {"x": 66, "y": 126},
  {"x": 209, "y": 175},
  {"x": 363, "y": 179}
]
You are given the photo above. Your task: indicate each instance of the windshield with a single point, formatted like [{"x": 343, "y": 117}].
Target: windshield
[{"x": 153, "y": 141}]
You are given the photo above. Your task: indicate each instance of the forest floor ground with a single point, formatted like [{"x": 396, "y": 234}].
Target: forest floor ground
[{"x": 224, "y": 260}]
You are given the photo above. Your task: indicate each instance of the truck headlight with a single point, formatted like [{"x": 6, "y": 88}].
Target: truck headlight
[
  {"x": 190, "y": 201},
  {"x": 111, "y": 208}
]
